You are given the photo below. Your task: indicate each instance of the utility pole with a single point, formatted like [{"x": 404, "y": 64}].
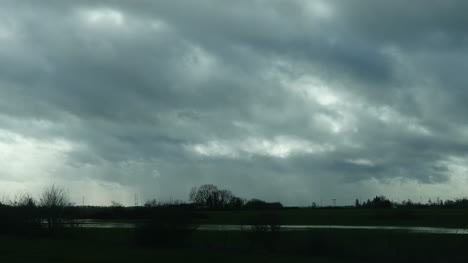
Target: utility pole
[
  {"x": 136, "y": 199},
  {"x": 334, "y": 202}
]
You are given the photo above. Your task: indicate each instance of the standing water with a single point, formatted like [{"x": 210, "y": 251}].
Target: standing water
[{"x": 89, "y": 223}]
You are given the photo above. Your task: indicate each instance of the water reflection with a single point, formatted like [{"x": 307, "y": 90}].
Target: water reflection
[
  {"x": 89, "y": 223},
  {"x": 432, "y": 230}
]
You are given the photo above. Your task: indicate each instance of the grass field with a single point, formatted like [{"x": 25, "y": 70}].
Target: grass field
[
  {"x": 318, "y": 245},
  {"x": 457, "y": 218},
  {"x": 117, "y": 245},
  {"x": 106, "y": 249}
]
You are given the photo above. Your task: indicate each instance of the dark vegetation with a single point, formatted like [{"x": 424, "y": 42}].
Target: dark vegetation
[
  {"x": 210, "y": 197},
  {"x": 118, "y": 245},
  {"x": 163, "y": 229},
  {"x": 168, "y": 227}
]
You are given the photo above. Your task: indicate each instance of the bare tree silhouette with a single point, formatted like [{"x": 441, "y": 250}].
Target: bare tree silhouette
[{"x": 53, "y": 202}]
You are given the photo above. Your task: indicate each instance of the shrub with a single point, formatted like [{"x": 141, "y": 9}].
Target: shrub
[
  {"x": 166, "y": 228},
  {"x": 264, "y": 230}
]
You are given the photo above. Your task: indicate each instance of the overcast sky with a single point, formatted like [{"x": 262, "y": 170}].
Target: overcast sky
[{"x": 294, "y": 101}]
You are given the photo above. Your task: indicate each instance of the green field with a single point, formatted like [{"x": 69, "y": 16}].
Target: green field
[
  {"x": 318, "y": 245},
  {"x": 117, "y": 245},
  {"x": 50, "y": 250},
  {"x": 456, "y": 218}
]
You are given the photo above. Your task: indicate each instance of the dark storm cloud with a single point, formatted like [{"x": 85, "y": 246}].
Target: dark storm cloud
[
  {"x": 413, "y": 24},
  {"x": 265, "y": 93}
]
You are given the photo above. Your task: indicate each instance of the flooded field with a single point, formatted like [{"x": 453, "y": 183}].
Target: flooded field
[{"x": 89, "y": 223}]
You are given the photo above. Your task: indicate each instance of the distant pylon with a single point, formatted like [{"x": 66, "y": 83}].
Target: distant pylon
[{"x": 136, "y": 199}]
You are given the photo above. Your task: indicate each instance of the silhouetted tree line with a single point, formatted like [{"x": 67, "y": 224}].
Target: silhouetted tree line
[
  {"x": 209, "y": 196},
  {"x": 378, "y": 202},
  {"x": 383, "y": 202},
  {"x": 53, "y": 211},
  {"x": 23, "y": 214}
]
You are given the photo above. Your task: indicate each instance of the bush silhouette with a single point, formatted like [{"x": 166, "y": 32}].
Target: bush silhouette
[
  {"x": 166, "y": 227},
  {"x": 53, "y": 203},
  {"x": 264, "y": 230}
]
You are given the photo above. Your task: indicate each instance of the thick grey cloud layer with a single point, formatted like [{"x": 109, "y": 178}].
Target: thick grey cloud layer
[{"x": 282, "y": 100}]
